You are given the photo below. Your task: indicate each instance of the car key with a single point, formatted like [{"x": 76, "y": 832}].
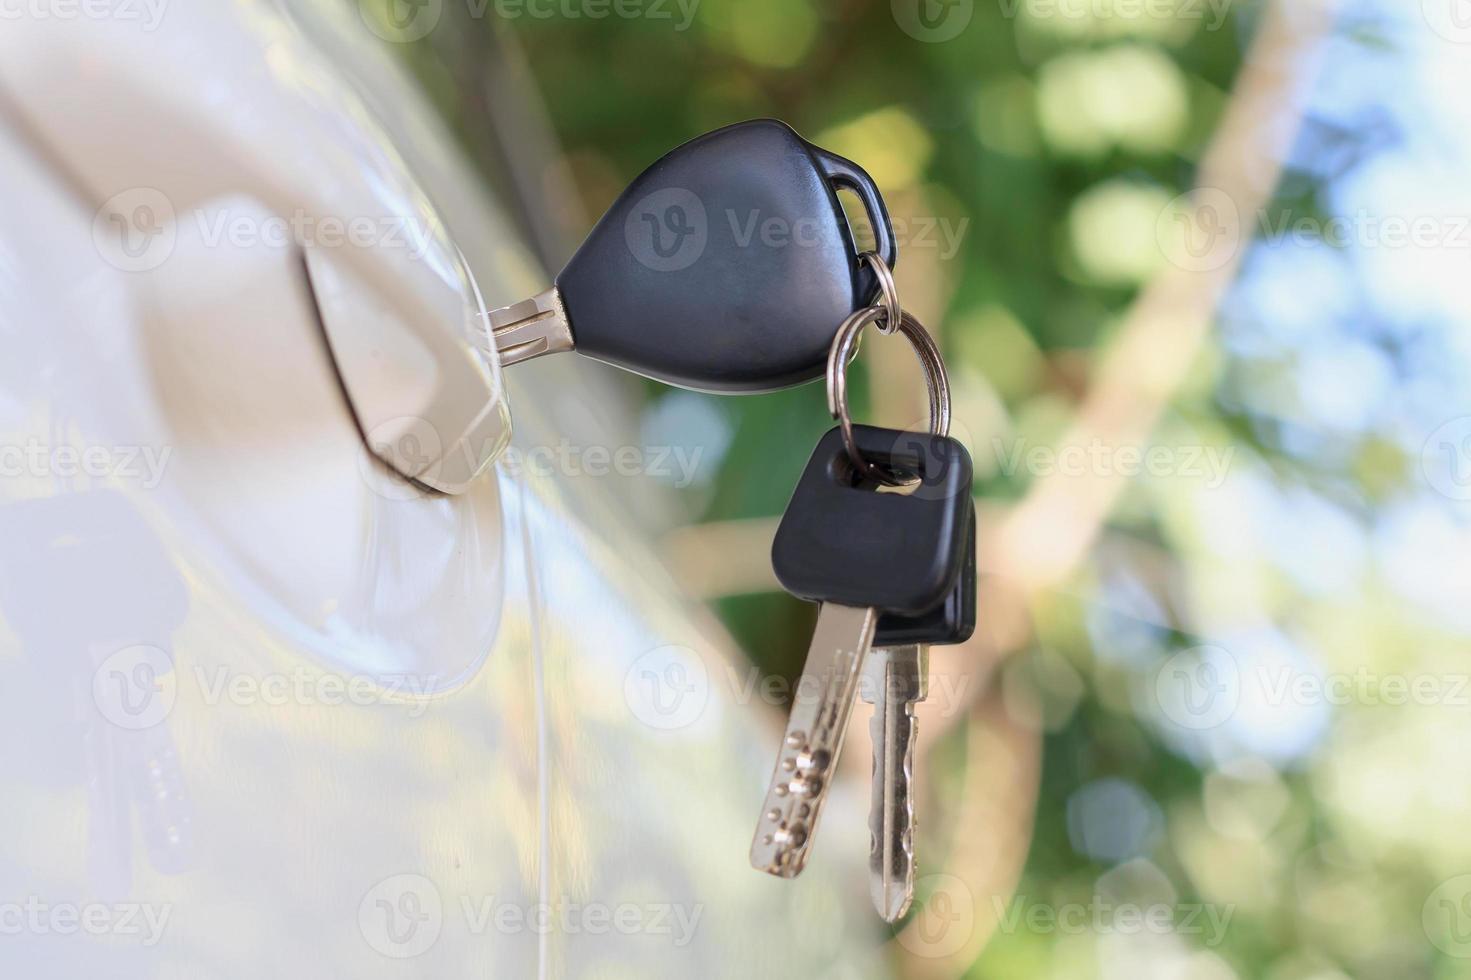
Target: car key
[
  {"x": 723, "y": 267},
  {"x": 858, "y": 552},
  {"x": 895, "y": 678}
]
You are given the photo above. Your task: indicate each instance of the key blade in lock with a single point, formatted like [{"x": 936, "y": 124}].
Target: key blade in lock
[
  {"x": 807, "y": 762},
  {"x": 531, "y": 328},
  {"x": 724, "y": 267}
]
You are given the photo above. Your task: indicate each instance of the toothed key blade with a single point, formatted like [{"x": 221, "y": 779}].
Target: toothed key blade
[
  {"x": 895, "y": 678},
  {"x": 808, "y": 759}
]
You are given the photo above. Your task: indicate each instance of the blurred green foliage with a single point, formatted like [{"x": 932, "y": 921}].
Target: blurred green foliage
[{"x": 1050, "y": 146}]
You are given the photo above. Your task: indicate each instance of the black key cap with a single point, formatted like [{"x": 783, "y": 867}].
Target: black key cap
[
  {"x": 842, "y": 541},
  {"x": 726, "y": 266}
]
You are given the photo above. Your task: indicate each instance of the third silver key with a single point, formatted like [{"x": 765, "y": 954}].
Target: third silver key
[{"x": 894, "y": 679}]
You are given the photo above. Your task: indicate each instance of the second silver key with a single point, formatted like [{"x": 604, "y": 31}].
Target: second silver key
[{"x": 895, "y": 678}]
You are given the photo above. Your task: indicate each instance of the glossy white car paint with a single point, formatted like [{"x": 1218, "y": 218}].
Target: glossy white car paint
[{"x": 266, "y": 708}]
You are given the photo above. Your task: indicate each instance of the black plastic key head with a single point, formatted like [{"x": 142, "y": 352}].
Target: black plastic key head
[
  {"x": 728, "y": 265},
  {"x": 952, "y": 621},
  {"x": 842, "y": 540}
]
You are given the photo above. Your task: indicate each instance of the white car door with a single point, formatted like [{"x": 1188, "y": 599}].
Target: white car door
[{"x": 266, "y": 708}]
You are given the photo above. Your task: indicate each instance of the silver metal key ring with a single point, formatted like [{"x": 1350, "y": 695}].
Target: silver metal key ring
[
  {"x": 936, "y": 381},
  {"x": 887, "y": 298}
]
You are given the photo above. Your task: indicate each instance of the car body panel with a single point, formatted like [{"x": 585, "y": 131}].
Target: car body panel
[{"x": 280, "y": 710}]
